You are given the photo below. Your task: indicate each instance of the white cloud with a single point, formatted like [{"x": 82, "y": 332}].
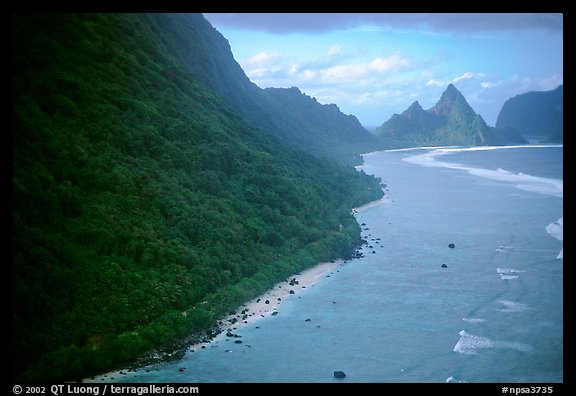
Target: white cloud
[
  {"x": 362, "y": 99},
  {"x": 293, "y": 69},
  {"x": 488, "y": 84},
  {"x": 386, "y": 96},
  {"x": 393, "y": 63},
  {"x": 436, "y": 83},
  {"x": 308, "y": 75},
  {"x": 374, "y": 69},
  {"x": 334, "y": 50},
  {"x": 464, "y": 76},
  {"x": 262, "y": 58},
  {"x": 257, "y": 73}
]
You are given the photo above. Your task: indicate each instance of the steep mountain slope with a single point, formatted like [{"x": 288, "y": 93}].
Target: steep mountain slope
[
  {"x": 535, "y": 114},
  {"x": 144, "y": 207},
  {"x": 189, "y": 35},
  {"x": 451, "y": 121},
  {"x": 329, "y": 128}
]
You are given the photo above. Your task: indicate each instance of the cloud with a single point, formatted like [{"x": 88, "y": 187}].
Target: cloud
[
  {"x": 262, "y": 65},
  {"x": 464, "y": 76},
  {"x": 392, "y": 63},
  {"x": 334, "y": 50},
  {"x": 283, "y": 23},
  {"x": 293, "y": 69},
  {"x": 389, "y": 96},
  {"x": 270, "y": 69},
  {"x": 355, "y": 72},
  {"x": 489, "y": 84},
  {"x": 436, "y": 83},
  {"x": 308, "y": 75},
  {"x": 262, "y": 58}
]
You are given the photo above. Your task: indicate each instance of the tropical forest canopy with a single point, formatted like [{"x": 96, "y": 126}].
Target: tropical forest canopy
[{"x": 144, "y": 205}]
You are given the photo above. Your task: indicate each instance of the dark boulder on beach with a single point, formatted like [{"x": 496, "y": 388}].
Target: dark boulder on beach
[{"x": 339, "y": 374}]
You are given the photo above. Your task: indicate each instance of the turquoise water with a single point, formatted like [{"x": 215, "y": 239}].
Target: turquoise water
[{"x": 493, "y": 314}]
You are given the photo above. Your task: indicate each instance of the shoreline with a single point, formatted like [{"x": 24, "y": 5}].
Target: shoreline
[
  {"x": 251, "y": 311},
  {"x": 268, "y": 302},
  {"x": 383, "y": 200}
]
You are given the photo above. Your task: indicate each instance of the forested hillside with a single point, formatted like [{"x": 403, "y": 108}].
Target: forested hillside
[
  {"x": 144, "y": 207},
  {"x": 331, "y": 132},
  {"x": 537, "y": 114},
  {"x": 299, "y": 125}
]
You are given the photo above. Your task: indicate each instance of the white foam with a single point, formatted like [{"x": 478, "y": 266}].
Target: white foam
[
  {"x": 473, "y": 320},
  {"x": 503, "y": 247},
  {"x": 469, "y": 344},
  {"x": 522, "y": 181},
  {"x": 556, "y": 229},
  {"x": 420, "y": 148},
  {"x": 507, "y": 273},
  {"x": 507, "y": 270},
  {"x": 452, "y": 379},
  {"x": 508, "y": 277},
  {"x": 542, "y": 185},
  {"x": 512, "y": 306}
]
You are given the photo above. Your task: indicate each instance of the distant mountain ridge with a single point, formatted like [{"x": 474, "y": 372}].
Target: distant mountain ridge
[
  {"x": 451, "y": 121},
  {"x": 325, "y": 125},
  {"x": 287, "y": 114},
  {"x": 535, "y": 113}
]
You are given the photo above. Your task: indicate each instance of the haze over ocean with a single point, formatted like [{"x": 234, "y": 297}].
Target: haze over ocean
[{"x": 490, "y": 309}]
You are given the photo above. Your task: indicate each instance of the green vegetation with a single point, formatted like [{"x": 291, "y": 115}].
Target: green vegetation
[
  {"x": 535, "y": 114},
  {"x": 292, "y": 117},
  {"x": 450, "y": 122},
  {"x": 328, "y": 131},
  {"x": 143, "y": 206}
]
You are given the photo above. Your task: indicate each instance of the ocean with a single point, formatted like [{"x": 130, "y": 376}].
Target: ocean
[{"x": 461, "y": 281}]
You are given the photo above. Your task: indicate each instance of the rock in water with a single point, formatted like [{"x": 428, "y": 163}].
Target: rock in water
[
  {"x": 339, "y": 374},
  {"x": 451, "y": 246},
  {"x": 444, "y": 266}
]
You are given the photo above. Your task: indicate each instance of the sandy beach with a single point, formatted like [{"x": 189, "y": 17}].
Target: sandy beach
[
  {"x": 269, "y": 302},
  {"x": 264, "y": 305},
  {"x": 372, "y": 204}
]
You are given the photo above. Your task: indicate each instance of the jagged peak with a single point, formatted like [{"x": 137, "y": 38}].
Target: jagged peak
[
  {"x": 451, "y": 88},
  {"x": 451, "y": 93},
  {"x": 414, "y": 110},
  {"x": 450, "y": 96},
  {"x": 415, "y": 105}
]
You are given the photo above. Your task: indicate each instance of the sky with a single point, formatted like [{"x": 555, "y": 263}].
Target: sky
[{"x": 375, "y": 65}]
